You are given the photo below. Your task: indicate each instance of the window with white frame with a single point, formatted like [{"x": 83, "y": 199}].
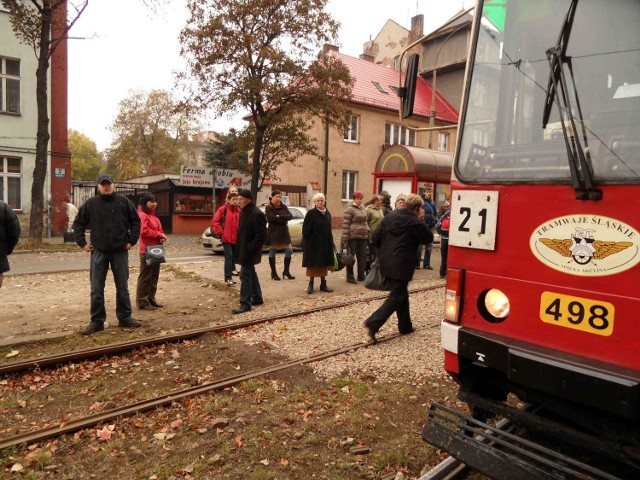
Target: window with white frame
[
  {"x": 348, "y": 184},
  {"x": 351, "y": 133},
  {"x": 9, "y": 85},
  {"x": 394, "y": 133},
  {"x": 443, "y": 142},
  {"x": 11, "y": 181}
]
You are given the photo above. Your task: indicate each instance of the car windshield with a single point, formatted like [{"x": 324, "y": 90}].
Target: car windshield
[{"x": 504, "y": 135}]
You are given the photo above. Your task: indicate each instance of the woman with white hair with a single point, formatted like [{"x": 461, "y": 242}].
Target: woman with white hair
[{"x": 317, "y": 243}]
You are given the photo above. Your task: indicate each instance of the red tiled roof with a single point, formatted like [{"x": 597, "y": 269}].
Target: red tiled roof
[{"x": 366, "y": 93}]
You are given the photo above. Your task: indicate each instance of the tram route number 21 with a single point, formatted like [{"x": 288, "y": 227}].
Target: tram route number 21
[{"x": 474, "y": 215}]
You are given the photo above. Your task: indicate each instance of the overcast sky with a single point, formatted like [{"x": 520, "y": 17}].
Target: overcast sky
[{"x": 125, "y": 47}]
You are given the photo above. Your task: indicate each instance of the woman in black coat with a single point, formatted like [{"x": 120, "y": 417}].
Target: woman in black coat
[
  {"x": 317, "y": 243},
  {"x": 278, "y": 237}
]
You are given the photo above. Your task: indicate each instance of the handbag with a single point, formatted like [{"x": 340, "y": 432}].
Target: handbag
[
  {"x": 346, "y": 257},
  {"x": 213, "y": 232},
  {"x": 337, "y": 262},
  {"x": 154, "y": 254},
  {"x": 375, "y": 280}
]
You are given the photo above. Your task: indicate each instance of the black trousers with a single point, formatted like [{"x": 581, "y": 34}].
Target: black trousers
[
  {"x": 397, "y": 301},
  {"x": 147, "y": 282}
]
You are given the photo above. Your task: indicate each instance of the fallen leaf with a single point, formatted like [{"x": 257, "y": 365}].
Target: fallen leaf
[
  {"x": 160, "y": 436},
  {"x": 105, "y": 433},
  {"x": 13, "y": 353},
  {"x": 176, "y": 423},
  {"x": 17, "y": 467},
  {"x": 239, "y": 440},
  {"x": 284, "y": 461},
  {"x": 264, "y": 462}
]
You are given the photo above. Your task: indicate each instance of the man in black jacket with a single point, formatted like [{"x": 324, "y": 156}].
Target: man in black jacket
[
  {"x": 397, "y": 239},
  {"x": 252, "y": 233},
  {"x": 9, "y": 236},
  {"x": 115, "y": 229}
]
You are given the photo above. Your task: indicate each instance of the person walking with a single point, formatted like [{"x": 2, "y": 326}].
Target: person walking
[
  {"x": 225, "y": 224},
  {"x": 397, "y": 240},
  {"x": 150, "y": 234},
  {"x": 9, "y": 236},
  {"x": 252, "y": 234},
  {"x": 355, "y": 234},
  {"x": 317, "y": 243},
  {"x": 278, "y": 238},
  {"x": 115, "y": 229}
]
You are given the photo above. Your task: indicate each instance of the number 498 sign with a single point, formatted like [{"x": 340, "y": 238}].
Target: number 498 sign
[{"x": 474, "y": 215}]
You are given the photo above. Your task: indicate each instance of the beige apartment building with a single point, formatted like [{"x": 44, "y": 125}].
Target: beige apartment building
[{"x": 362, "y": 158}]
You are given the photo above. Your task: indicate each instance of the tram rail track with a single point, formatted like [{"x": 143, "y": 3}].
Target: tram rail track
[
  {"x": 168, "y": 398},
  {"x": 122, "y": 347}
]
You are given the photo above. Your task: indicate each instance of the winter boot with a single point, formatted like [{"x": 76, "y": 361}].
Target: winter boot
[
  {"x": 285, "y": 273},
  {"x": 323, "y": 286},
  {"x": 272, "y": 264},
  {"x": 310, "y": 287},
  {"x": 350, "y": 277}
]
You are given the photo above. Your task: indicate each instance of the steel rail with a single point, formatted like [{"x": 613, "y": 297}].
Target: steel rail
[
  {"x": 114, "y": 348},
  {"x": 156, "y": 402}
]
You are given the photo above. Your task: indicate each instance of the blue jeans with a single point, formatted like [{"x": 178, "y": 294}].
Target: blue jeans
[
  {"x": 229, "y": 266},
  {"x": 99, "y": 267},
  {"x": 249, "y": 286},
  {"x": 397, "y": 301}
]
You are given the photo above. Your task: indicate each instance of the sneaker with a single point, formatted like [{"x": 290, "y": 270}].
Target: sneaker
[
  {"x": 255, "y": 302},
  {"x": 428, "y": 267},
  {"x": 408, "y": 332},
  {"x": 229, "y": 282},
  {"x": 235, "y": 273},
  {"x": 130, "y": 323},
  {"x": 240, "y": 309},
  {"x": 91, "y": 328}
]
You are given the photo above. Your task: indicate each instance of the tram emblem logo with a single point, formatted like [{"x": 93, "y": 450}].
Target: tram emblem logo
[
  {"x": 586, "y": 245},
  {"x": 582, "y": 247}
]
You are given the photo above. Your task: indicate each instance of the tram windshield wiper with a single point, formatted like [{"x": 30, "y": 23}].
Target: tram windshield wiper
[{"x": 581, "y": 174}]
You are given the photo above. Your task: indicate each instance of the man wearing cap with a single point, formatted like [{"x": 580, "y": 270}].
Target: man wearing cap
[
  {"x": 252, "y": 233},
  {"x": 115, "y": 228}
]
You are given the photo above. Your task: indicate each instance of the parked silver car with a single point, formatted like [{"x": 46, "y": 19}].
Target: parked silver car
[{"x": 295, "y": 230}]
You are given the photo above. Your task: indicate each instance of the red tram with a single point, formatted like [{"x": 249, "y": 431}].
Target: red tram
[{"x": 543, "y": 285}]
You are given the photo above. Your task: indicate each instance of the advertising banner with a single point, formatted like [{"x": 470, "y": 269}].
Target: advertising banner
[{"x": 203, "y": 177}]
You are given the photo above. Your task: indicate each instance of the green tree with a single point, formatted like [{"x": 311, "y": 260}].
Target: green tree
[
  {"x": 85, "y": 158},
  {"x": 151, "y": 135},
  {"x": 259, "y": 55},
  {"x": 228, "y": 151},
  {"x": 42, "y": 25}
]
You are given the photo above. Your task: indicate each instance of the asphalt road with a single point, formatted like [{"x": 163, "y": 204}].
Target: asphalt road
[{"x": 26, "y": 263}]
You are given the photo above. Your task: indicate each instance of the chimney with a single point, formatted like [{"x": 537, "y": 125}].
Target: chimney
[
  {"x": 367, "y": 58},
  {"x": 417, "y": 27},
  {"x": 329, "y": 48}
]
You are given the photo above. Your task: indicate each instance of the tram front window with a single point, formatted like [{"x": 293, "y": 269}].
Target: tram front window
[{"x": 503, "y": 139}]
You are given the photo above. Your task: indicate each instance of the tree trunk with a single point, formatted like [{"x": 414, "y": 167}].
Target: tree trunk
[
  {"x": 42, "y": 136},
  {"x": 257, "y": 155}
]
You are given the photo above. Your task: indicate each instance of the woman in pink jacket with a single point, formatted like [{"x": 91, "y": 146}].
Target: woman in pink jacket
[
  {"x": 225, "y": 224},
  {"x": 150, "y": 234}
]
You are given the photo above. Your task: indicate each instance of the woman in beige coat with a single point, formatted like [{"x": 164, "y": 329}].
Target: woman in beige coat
[{"x": 355, "y": 234}]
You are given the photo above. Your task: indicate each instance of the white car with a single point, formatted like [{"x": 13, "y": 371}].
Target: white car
[{"x": 295, "y": 230}]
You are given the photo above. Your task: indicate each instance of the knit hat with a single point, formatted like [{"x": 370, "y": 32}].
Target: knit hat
[{"x": 246, "y": 193}]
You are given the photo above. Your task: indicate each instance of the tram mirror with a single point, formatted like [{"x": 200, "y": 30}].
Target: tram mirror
[{"x": 409, "y": 90}]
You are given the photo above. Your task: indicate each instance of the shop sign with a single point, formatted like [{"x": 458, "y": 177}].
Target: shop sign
[{"x": 203, "y": 177}]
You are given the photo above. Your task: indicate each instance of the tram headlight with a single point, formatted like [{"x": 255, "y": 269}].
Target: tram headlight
[{"x": 494, "y": 305}]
